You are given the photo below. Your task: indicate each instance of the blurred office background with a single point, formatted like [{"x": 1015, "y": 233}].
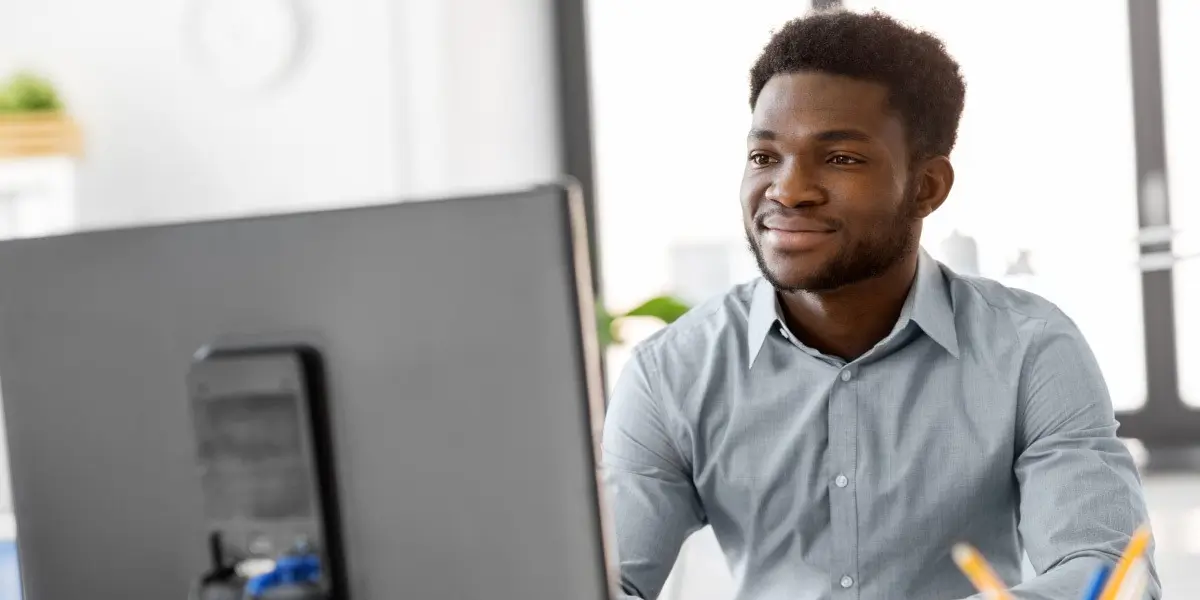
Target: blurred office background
[{"x": 1073, "y": 156}]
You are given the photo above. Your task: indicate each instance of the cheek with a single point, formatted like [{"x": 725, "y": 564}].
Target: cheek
[
  {"x": 870, "y": 199},
  {"x": 752, "y": 192}
]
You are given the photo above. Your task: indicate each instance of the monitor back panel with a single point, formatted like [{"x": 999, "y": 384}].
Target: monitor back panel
[{"x": 451, "y": 336}]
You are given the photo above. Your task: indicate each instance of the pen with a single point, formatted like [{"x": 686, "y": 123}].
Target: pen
[
  {"x": 1097, "y": 584},
  {"x": 1135, "y": 549},
  {"x": 973, "y": 565}
]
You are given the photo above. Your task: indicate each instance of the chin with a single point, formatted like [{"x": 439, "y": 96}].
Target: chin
[
  {"x": 790, "y": 278},
  {"x": 793, "y": 271}
]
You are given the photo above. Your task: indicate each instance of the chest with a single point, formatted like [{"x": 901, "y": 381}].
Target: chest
[{"x": 918, "y": 438}]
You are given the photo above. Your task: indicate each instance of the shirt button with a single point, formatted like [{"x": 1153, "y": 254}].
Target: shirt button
[
  {"x": 841, "y": 481},
  {"x": 847, "y": 581},
  {"x": 846, "y": 375}
]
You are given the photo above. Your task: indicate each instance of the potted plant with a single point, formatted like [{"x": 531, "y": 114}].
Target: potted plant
[
  {"x": 663, "y": 308},
  {"x": 32, "y": 120}
]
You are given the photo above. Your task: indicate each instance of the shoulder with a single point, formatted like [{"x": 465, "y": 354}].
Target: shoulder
[
  {"x": 988, "y": 306},
  {"x": 999, "y": 320},
  {"x": 699, "y": 346},
  {"x": 1059, "y": 382},
  {"x": 986, "y": 295},
  {"x": 664, "y": 370}
]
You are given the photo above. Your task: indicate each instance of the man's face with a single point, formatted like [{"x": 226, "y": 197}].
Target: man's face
[{"x": 826, "y": 196}]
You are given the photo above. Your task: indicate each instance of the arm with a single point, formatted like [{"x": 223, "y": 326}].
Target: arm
[
  {"x": 1080, "y": 496},
  {"x": 654, "y": 503}
]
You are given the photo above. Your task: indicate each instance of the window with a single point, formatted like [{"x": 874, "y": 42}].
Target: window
[
  {"x": 1046, "y": 181},
  {"x": 1181, "y": 94}
]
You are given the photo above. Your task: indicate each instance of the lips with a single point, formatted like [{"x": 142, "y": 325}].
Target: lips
[
  {"x": 787, "y": 233},
  {"x": 796, "y": 224}
]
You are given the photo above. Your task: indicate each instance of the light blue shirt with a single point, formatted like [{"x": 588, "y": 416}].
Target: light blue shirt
[{"x": 982, "y": 417}]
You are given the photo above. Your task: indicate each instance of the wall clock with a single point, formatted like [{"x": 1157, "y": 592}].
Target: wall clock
[{"x": 249, "y": 44}]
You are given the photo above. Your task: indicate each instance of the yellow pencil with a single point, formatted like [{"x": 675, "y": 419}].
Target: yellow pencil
[
  {"x": 973, "y": 565},
  {"x": 1134, "y": 586},
  {"x": 1135, "y": 550}
]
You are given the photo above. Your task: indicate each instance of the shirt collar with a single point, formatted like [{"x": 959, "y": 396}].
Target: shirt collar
[
  {"x": 928, "y": 305},
  {"x": 764, "y": 314},
  {"x": 933, "y": 308}
]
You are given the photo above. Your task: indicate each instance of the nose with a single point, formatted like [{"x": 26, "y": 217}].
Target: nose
[{"x": 794, "y": 185}]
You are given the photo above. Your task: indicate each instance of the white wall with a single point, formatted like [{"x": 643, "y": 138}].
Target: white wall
[
  {"x": 477, "y": 95},
  {"x": 397, "y": 98}
]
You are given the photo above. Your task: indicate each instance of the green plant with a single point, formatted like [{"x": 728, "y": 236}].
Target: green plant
[
  {"x": 667, "y": 309},
  {"x": 26, "y": 92}
]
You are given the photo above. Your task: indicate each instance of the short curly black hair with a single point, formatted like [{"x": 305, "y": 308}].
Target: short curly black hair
[{"x": 924, "y": 82}]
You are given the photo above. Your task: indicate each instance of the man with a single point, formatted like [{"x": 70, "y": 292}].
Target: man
[{"x": 845, "y": 420}]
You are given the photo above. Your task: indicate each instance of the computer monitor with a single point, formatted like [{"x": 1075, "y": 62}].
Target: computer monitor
[{"x": 462, "y": 384}]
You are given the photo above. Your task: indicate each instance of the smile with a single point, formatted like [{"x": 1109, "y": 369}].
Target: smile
[{"x": 794, "y": 241}]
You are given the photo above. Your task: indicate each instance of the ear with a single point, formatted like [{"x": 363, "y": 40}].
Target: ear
[{"x": 935, "y": 177}]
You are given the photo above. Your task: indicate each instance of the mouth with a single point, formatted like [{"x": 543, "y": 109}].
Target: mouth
[
  {"x": 794, "y": 234},
  {"x": 784, "y": 240}
]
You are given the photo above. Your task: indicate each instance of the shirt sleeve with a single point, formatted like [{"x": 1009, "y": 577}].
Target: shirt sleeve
[
  {"x": 654, "y": 503},
  {"x": 1080, "y": 495}
]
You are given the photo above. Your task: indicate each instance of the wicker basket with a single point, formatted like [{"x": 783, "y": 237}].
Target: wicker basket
[{"x": 38, "y": 134}]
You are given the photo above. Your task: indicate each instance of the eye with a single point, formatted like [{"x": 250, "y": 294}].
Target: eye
[
  {"x": 844, "y": 159},
  {"x": 760, "y": 159}
]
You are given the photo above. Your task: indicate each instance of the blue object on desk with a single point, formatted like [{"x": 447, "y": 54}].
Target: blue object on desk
[
  {"x": 289, "y": 570},
  {"x": 10, "y": 571},
  {"x": 1097, "y": 584}
]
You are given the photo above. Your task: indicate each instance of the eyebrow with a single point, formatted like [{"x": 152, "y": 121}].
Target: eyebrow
[
  {"x": 832, "y": 135},
  {"x": 765, "y": 135}
]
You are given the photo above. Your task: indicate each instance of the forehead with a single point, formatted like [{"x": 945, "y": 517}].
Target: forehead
[{"x": 800, "y": 104}]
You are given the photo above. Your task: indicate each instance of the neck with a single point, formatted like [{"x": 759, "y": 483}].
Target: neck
[{"x": 849, "y": 321}]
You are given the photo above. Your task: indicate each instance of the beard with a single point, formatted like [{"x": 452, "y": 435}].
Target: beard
[{"x": 888, "y": 240}]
